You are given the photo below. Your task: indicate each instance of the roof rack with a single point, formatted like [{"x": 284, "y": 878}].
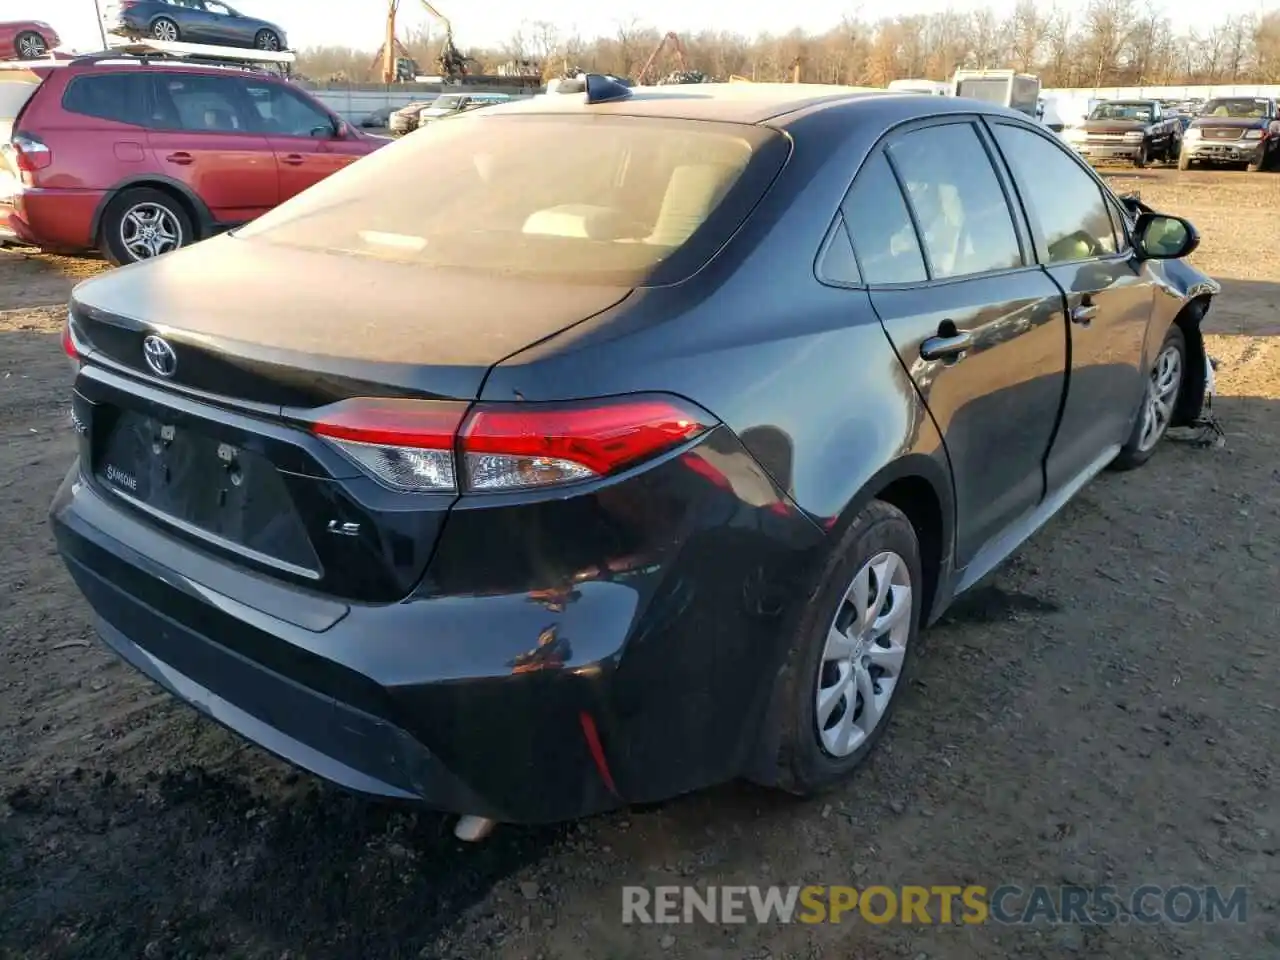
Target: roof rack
[{"x": 193, "y": 53}]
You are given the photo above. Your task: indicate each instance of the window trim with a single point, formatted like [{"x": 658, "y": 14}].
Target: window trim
[
  {"x": 838, "y": 224},
  {"x": 1104, "y": 192}
]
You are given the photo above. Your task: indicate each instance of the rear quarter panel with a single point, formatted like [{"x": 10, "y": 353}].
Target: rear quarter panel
[{"x": 801, "y": 371}]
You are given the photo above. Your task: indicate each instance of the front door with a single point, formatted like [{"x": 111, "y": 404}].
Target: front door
[
  {"x": 977, "y": 325},
  {"x": 1109, "y": 296},
  {"x": 302, "y": 135}
]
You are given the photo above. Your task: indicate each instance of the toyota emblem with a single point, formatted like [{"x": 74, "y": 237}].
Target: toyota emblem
[{"x": 159, "y": 356}]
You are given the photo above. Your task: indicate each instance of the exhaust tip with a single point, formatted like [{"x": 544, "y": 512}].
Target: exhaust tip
[{"x": 473, "y": 829}]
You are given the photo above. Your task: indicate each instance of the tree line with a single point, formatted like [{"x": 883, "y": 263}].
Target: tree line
[{"x": 1103, "y": 43}]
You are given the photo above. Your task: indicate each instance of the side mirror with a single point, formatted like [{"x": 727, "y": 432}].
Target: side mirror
[
  {"x": 1160, "y": 237},
  {"x": 341, "y": 130}
]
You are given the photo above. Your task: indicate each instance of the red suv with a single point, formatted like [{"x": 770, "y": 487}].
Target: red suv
[{"x": 137, "y": 158}]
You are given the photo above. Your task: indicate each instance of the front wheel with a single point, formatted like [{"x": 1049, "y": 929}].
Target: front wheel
[
  {"x": 267, "y": 40},
  {"x": 1184, "y": 162},
  {"x": 1141, "y": 159},
  {"x": 850, "y": 656},
  {"x": 143, "y": 224},
  {"x": 1159, "y": 401}
]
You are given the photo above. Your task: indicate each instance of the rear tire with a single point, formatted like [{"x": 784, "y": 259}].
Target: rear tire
[
  {"x": 267, "y": 40},
  {"x": 29, "y": 45},
  {"x": 166, "y": 30},
  {"x": 1160, "y": 396},
  {"x": 821, "y": 693},
  {"x": 143, "y": 223}
]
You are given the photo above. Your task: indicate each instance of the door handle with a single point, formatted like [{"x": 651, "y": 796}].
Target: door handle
[
  {"x": 944, "y": 348},
  {"x": 182, "y": 158},
  {"x": 292, "y": 159},
  {"x": 1084, "y": 314}
]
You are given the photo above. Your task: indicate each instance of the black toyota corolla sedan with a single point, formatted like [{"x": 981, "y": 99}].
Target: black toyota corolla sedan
[{"x": 593, "y": 449}]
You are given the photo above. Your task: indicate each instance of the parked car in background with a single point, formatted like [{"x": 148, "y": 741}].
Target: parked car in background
[
  {"x": 405, "y": 119},
  {"x": 686, "y": 432},
  {"x": 141, "y": 158},
  {"x": 1135, "y": 131},
  {"x": 1236, "y": 130},
  {"x": 449, "y": 104},
  {"x": 378, "y": 119},
  {"x": 192, "y": 21},
  {"x": 26, "y": 39}
]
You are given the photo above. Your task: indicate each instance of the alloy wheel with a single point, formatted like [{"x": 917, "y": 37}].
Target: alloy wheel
[
  {"x": 31, "y": 46},
  {"x": 864, "y": 654},
  {"x": 164, "y": 30},
  {"x": 148, "y": 229},
  {"x": 1162, "y": 394},
  {"x": 268, "y": 41}
]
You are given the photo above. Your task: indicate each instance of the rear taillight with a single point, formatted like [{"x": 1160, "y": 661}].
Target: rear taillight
[
  {"x": 429, "y": 446},
  {"x": 69, "y": 346},
  {"x": 31, "y": 153}
]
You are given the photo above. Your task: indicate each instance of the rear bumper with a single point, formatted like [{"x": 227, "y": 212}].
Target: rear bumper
[
  {"x": 62, "y": 219},
  {"x": 519, "y": 706}
]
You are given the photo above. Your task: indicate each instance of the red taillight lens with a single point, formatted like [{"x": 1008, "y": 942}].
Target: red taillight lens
[
  {"x": 411, "y": 444},
  {"x": 513, "y": 446},
  {"x": 30, "y": 152},
  {"x": 69, "y": 346}
]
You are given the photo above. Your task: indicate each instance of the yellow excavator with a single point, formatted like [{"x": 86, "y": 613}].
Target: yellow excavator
[{"x": 453, "y": 63}]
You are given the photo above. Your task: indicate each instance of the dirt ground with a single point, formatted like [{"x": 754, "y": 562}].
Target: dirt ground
[{"x": 1105, "y": 712}]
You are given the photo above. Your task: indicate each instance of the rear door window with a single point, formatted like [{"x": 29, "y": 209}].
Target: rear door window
[
  {"x": 108, "y": 96},
  {"x": 959, "y": 205},
  {"x": 204, "y": 103},
  {"x": 884, "y": 239}
]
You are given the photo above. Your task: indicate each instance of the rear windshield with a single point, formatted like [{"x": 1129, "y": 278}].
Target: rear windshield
[{"x": 588, "y": 199}]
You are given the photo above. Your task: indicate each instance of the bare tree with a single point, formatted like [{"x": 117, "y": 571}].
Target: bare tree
[{"x": 1108, "y": 43}]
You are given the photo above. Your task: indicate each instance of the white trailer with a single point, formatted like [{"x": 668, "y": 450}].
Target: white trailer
[{"x": 1008, "y": 88}]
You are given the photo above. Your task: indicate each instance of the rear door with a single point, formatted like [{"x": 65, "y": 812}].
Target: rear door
[
  {"x": 206, "y": 137},
  {"x": 977, "y": 325},
  {"x": 302, "y": 136},
  {"x": 1109, "y": 296}
]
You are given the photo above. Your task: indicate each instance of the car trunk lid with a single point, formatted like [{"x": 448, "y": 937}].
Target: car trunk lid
[
  {"x": 291, "y": 337},
  {"x": 212, "y": 444}
]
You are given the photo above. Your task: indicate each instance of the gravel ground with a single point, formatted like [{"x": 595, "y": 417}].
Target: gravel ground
[{"x": 1105, "y": 711}]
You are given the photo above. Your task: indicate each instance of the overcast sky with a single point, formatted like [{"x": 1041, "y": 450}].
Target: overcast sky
[{"x": 359, "y": 23}]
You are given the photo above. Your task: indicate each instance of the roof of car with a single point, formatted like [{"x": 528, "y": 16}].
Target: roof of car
[{"x": 731, "y": 102}]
